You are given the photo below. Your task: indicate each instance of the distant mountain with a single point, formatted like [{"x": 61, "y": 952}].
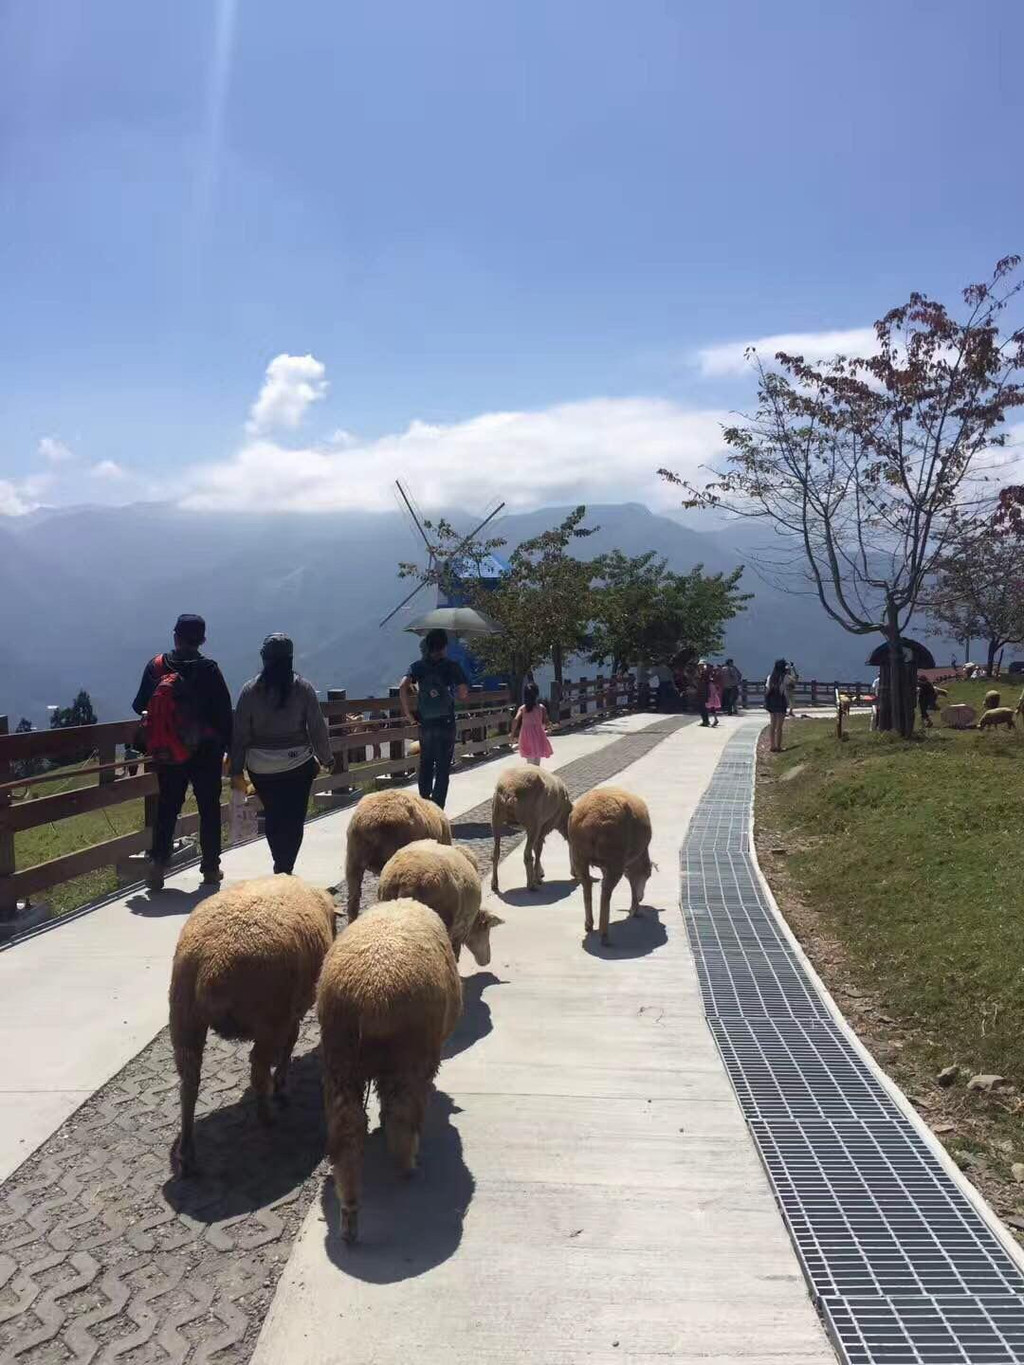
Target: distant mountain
[{"x": 88, "y": 594}]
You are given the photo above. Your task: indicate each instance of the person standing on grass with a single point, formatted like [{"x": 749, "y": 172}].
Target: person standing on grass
[
  {"x": 281, "y": 739},
  {"x": 792, "y": 678},
  {"x": 928, "y": 699},
  {"x": 186, "y": 729},
  {"x": 427, "y": 695},
  {"x": 776, "y": 703},
  {"x": 530, "y": 725}
]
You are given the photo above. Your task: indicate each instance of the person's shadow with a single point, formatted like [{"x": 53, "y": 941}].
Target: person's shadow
[
  {"x": 244, "y": 1165},
  {"x": 635, "y": 936},
  {"x": 406, "y": 1225},
  {"x": 170, "y": 901},
  {"x": 475, "y": 1022}
]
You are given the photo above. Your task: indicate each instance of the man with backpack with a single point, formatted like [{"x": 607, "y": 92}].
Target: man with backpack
[
  {"x": 427, "y": 695},
  {"x": 186, "y": 729}
]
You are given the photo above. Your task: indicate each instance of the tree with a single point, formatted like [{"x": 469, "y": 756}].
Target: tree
[
  {"x": 979, "y": 593},
  {"x": 644, "y": 613},
  {"x": 80, "y": 712},
  {"x": 25, "y": 767},
  {"x": 868, "y": 465}
]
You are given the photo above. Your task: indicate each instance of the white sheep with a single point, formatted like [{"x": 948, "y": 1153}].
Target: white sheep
[
  {"x": 246, "y": 965},
  {"x": 381, "y": 824},
  {"x": 389, "y": 997},
  {"x": 446, "y": 878},
  {"x": 538, "y": 802},
  {"x": 611, "y": 829}
]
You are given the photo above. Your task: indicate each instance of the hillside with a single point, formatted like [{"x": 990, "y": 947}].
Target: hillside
[{"x": 90, "y": 593}]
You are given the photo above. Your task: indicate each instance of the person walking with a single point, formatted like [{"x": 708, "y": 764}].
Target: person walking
[
  {"x": 530, "y": 725},
  {"x": 427, "y": 695},
  {"x": 714, "y": 693},
  {"x": 792, "y": 678},
  {"x": 776, "y": 703},
  {"x": 732, "y": 680},
  {"x": 186, "y": 727},
  {"x": 281, "y": 738},
  {"x": 928, "y": 699},
  {"x": 702, "y": 690}
]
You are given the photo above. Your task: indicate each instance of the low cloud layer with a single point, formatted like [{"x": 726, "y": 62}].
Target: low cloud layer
[
  {"x": 603, "y": 449},
  {"x": 54, "y": 450},
  {"x": 291, "y": 384},
  {"x": 730, "y": 358}
]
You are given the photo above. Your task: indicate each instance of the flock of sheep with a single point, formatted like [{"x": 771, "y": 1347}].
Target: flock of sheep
[{"x": 251, "y": 960}]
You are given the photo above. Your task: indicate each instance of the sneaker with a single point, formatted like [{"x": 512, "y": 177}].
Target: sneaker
[
  {"x": 213, "y": 877},
  {"x": 155, "y": 877}
]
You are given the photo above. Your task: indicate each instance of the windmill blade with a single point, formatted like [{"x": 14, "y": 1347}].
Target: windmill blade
[
  {"x": 404, "y": 603},
  {"x": 417, "y": 520},
  {"x": 475, "y": 532}
]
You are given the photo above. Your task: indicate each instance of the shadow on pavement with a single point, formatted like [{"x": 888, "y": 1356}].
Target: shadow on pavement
[
  {"x": 406, "y": 1226},
  {"x": 244, "y": 1165},
  {"x": 476, "y": 1014},
  {"x": 634, "y": 936},
  {"x": 548, "y": 893},
  {"x": 465, "y": 830},
  {"x": 170, "y": 901}
]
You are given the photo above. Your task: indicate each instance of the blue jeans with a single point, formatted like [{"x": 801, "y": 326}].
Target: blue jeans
[{"x": 437, "y": 749}]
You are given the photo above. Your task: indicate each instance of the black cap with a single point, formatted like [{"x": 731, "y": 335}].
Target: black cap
[
  {"x": 276, "y": 647},
  {"x": 190, "y": 627}
]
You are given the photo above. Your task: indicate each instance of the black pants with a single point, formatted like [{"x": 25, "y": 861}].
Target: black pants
[
  {"x": 173, "y": 779},
  {"x": 285, "y": 798},
  {"x": 703, "y": 707},
  {"x": 437, "y": 748},
  {"x": 729, "y": 695}
]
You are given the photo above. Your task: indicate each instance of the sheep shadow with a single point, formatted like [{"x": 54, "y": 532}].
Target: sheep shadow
[
  {"x": 170, "y": 901},
  {"x": 475, "y": 1022},
  {"x": 548, "y": 893},
  {"x": 634, "y": 936},
  {"x": 406, "y": 1226},
  {"x": 463, "y": 831},
  {"x": 243, "y": 1165}
]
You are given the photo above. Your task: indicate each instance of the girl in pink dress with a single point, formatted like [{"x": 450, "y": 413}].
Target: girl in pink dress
[
  {"x": 530, "y": 725},
  {"x": 714, "y": 693}
]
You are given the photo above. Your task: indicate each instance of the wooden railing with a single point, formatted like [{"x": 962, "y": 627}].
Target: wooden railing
[
  {"x": 814, "y": 692},
  {"x": 369, "y": 737}
]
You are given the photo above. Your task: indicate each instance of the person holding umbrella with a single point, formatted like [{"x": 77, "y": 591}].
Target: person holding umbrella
[{"x": 427, "y": 696}]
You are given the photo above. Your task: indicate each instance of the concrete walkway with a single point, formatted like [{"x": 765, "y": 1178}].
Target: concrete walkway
[
  {"x": 588, "y": 1189},
  {"x": 79, "y": 1000}
]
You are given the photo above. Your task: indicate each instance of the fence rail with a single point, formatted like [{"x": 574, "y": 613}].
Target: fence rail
[
  {"x": 369, "y": 738},
  {"x": 813, "y": 692}
]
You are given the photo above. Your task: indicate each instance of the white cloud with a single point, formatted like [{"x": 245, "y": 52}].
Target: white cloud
[
  {"x": 730, "y": 358},
  {"x": 107, "y": 469},
  {"x": 603, "y": 449},
  {"x": 52, "y": 449},
  {"x": 17, "y": 497},
  {"x": 292, "y": 383}
]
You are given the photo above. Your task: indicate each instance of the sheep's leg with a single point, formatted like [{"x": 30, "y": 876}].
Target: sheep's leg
[
  {"x": 608, "y": 883},
  {"x": 265, "y": 1052},
  {"x": 528, "y": 860},
  {"x": 346, "y": 1137},
  {"x": 281, "y": 1070},
  {"x": 354, "y": 882},
  {"x": 583, "y": 874},
  {"x": 538, "y": 870},
  {"x": 188, "y": 1059},
  {"x": 403, "y": 1106},
  {"x": 496, "y": 857},
  {"x": 634, "y": 904}
]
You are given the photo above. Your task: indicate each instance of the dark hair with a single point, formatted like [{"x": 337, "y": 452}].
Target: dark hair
[
  {"x": 778, "y": 673},
  {"x": 190, "y": 630},
  {"x": 277, "y": 674},
  {"x": 434, "y": 642},
  {"x": 531, "y": 692}
]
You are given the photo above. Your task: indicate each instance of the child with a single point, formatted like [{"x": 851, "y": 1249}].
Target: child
[
  {"x": 714, "y": 693},
  {"x": 530, "y": 725}
]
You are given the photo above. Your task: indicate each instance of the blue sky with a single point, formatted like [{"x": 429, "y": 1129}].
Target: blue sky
[{"x": 515, "y": 227}]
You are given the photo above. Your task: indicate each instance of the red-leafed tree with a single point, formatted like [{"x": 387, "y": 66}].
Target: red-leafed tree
[{"x": 872, "y": 467}]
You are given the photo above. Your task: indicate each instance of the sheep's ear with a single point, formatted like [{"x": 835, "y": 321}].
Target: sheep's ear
[{"x": 491, "y": 921}]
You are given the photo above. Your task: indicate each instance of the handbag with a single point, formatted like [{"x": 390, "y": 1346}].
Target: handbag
[{"x": 243, "y": 818}]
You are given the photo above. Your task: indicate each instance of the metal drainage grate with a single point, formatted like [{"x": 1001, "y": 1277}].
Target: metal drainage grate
[{"x": 901, "y": 1265}]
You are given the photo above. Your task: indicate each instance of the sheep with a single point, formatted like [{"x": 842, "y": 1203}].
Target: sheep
[
  {"x": 246, "y": 966},
  {"x": 611, "y": 829},
  {"x": 448, "y": 880},
  {"x": 538, "y": 802},
  {"x": 992, "y": 699},
  {"x": 998, "y": 715},
  {"x": 389, "y": 997},
  {"x": 381, "y": 824}
]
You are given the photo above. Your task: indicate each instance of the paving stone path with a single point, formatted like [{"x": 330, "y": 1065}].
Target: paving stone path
[{"x": 104, "y": 1257}]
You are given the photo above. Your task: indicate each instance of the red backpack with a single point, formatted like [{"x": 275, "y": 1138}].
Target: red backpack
[{"x": 172, "y": 728}]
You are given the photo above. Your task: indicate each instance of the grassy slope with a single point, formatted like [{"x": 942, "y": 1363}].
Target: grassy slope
[{"x": 907, "y": 861}]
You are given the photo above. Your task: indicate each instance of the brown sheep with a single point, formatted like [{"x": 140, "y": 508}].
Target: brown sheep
[
  {"x": 992, "y": 700},
  {"x": 448, "y": 880},
  {"x": 389, "y": 997},
  {"x": 611, "y": 829},
  {"x": 997, "y": 715},
  {"x": 381, "y": 824},
  {"x": 536, "y": 801},
  {"x": 246, "y": 965}
]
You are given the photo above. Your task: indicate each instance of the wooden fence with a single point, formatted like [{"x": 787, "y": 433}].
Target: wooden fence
[
  {"x": 369, "y": 737},
  {"x": 811, "y": 693}
]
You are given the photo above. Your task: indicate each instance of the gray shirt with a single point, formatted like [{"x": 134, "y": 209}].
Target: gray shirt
[{"x": 261, "y": 724}]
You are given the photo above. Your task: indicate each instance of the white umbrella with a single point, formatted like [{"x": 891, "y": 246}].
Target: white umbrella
[{"x": 456, "y": 621}]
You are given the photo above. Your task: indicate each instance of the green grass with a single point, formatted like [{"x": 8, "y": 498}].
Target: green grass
[{"x": 913, "y": 855}]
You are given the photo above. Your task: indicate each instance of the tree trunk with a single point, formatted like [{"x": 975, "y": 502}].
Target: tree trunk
[
  {"x": 556, "y": 663},
  {"x": 896, "y": 703},
  {"x": 990, "y": 662}
]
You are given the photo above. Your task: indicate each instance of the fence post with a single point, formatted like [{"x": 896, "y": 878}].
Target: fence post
[
  {"x": 341, "y": 764},
  {"x": 582, "y": 696},
  {"x": 107, "y": 753},
  {"x": 814, "y": 691},
  {"x": 554, "y": 702},
  {"x": 8, "y": 901},
  {"x": 600, "y": 700},
  {"x": 396, "y": 749}
]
